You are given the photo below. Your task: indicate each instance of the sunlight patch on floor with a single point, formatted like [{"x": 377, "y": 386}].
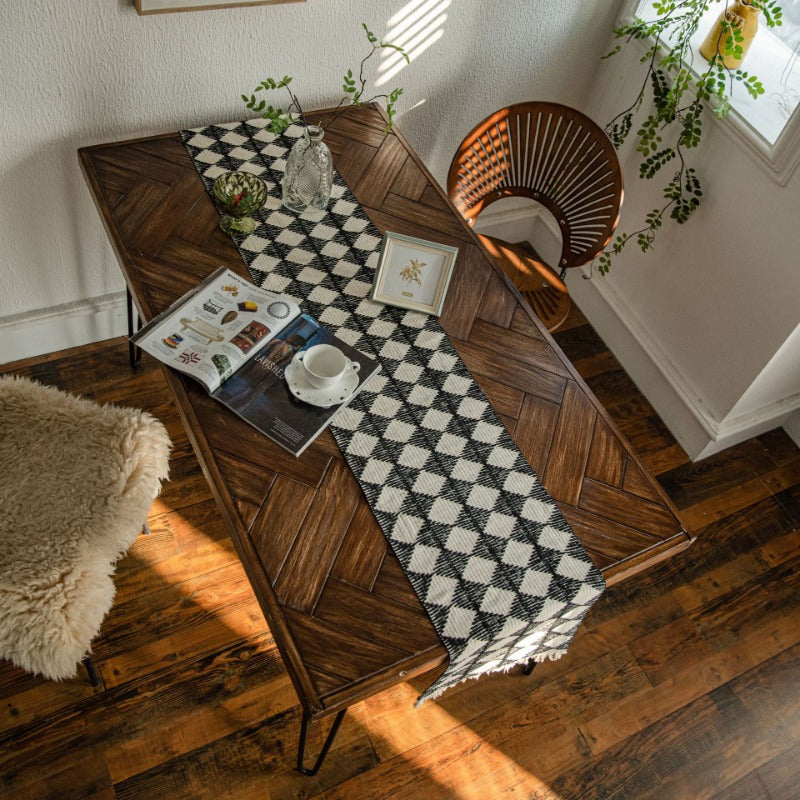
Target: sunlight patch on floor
[
  {"x": 158, "y": 507},
  {"x": 444, "y": 749},
  {"x": 180, "y": 567},
  {"x": 415, "y": 28}
]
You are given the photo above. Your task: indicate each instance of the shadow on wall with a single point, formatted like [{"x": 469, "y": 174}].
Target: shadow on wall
[
  {"x": 516, "y": 51},
  {"x": 41, "y": 226}
]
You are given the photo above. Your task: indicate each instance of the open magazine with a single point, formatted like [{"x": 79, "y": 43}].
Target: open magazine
[{"x": 238, "y": 340}]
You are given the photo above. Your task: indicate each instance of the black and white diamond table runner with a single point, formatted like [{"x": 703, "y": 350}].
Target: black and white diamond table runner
[{"x": 500, "y": 573}]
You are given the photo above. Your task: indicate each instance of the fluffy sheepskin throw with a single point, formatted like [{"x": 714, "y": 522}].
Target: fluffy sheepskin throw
[{"x": 76, "y": 482}]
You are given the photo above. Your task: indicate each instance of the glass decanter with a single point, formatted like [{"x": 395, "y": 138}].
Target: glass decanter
[{"x": 308, "y": 178}]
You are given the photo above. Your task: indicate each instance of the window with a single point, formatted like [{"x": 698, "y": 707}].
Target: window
[{"x": 770, "y": 125}]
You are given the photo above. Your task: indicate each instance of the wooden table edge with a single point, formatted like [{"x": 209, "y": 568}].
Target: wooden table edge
[
  {"x": 319, "y": 703},
  {"x": 689, "y": 537}
]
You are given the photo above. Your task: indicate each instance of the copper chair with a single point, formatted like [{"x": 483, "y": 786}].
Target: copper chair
[{"x": 558, "y": 157}]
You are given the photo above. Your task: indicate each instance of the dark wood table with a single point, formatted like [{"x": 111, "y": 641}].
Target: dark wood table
[{"x": 342, "y": 611}]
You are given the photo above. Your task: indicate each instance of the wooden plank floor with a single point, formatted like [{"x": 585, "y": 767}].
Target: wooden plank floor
[{"x": 683, "y": 683}]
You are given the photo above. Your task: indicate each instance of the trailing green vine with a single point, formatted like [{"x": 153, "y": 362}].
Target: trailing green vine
[
  {"x": 679, "y": 97},
  {"x": 353, "y": 88}
]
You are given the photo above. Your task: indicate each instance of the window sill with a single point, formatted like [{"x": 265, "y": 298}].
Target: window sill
[{"x": 757, "y": 126}]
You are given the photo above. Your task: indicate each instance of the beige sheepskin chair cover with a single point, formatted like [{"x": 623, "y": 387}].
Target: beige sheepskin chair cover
[{"x": 76, "y": 482}]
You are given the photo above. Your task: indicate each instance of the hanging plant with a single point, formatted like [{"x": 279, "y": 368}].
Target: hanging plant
[
  {"x": 353, "y": 88},
  {"x": 679, "y": 96}
]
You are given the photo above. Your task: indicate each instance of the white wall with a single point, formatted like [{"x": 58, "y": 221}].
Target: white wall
[
  {"x": 778, "y": 379},
  {"x": 792, "y": 426},
  {"x": 707, "y": 323},
  {"x": 78, "y": 73}
]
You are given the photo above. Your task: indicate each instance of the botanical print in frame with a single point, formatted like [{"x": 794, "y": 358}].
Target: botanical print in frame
[
  {"x": 413, "y": 273},
  {"x": 165, "y": 6}
]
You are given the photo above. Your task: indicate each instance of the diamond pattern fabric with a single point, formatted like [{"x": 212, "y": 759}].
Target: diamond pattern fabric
[{"x": 500, "y": 573}]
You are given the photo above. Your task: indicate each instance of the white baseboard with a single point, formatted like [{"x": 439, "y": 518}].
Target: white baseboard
[
  {"x": 631, "y": 349},
  {"x": 59, "y": 327},
  {"x": 678, "y": 404},
  {"x": 792, "y": 427}
]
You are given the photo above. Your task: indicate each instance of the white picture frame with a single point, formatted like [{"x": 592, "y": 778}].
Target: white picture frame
[
  {"x": 413, "y": 273},
  {"x": 144, "y": 7}
]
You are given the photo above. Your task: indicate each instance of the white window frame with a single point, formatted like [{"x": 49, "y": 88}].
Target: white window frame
[{"x": 778, "y": 160}]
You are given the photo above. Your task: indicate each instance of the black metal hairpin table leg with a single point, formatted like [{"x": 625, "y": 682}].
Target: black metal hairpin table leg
[
  {"x": 88, "y": 665},
  {"x": 301, "y": 748},
  {"x": 134, "y": 352},
  {"x": 528, "y": 668}
]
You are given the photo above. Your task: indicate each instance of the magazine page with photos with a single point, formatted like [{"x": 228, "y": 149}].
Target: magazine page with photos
[
  {"x": 210, "y": 332},
  {"x": 260, "y": 395}
]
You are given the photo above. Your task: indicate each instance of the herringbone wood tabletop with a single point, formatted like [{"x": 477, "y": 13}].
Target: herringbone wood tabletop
[{"x": 341, "y": 609}]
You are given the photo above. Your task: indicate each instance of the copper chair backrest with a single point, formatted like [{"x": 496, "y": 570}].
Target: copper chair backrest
[{"x": 552, "y": 154}]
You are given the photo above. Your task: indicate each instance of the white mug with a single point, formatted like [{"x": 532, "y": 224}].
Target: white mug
[{"x": 325, "y": 365}]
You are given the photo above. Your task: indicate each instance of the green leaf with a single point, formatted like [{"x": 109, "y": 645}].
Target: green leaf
[
  {"x": 370, "y": 35},
  {"x": 650, "y": 166},
  {"x": 353, "y": 90},
  {"x": 398, "y": 49}
]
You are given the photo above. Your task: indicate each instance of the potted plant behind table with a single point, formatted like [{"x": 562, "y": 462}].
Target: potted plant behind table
[
  {"x": 308, "y": 177},
  {"x": 680, "y": 90}
]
